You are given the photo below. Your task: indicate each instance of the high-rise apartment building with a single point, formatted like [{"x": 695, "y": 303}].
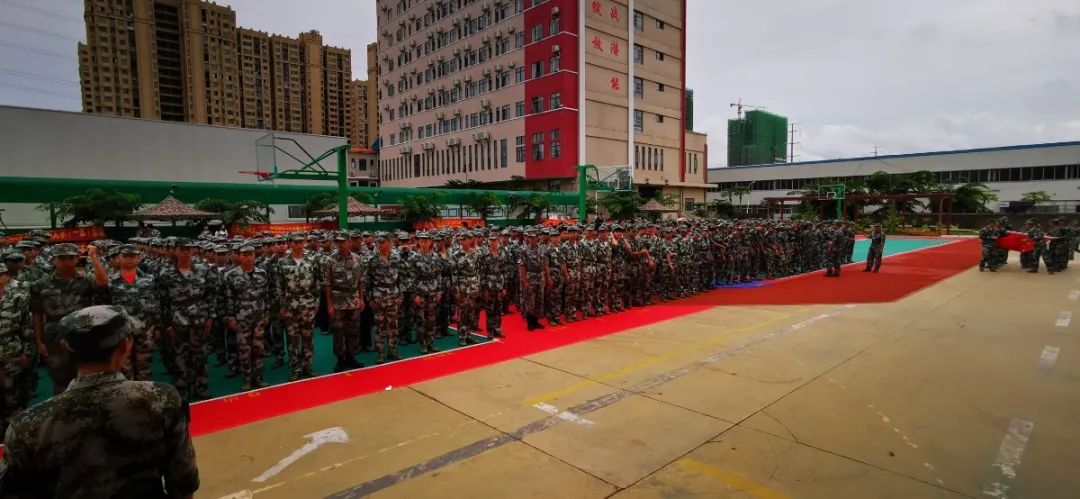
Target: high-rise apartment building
[
  {"x": 372, "y": 94},
  {"x": 187, "y": 60},
  {"x": 496, "y": 89}
]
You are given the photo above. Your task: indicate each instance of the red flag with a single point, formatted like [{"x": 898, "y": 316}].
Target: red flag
[{"x": 1016, "y": 241}]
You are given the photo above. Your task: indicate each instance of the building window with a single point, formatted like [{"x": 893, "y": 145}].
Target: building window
[
  {"x": 536, "y": 105},
  {"x": 639, "y": 120},
  {"x": 538, "y": 146},
  {"x": 639, "y": 21},
  {"x": 555, "y": 63},
  {"x": 297, "y": 211},
  {"x": 519, "y": 148},
  {"x": 519, "y": 39},
  {"x": 556, "y": 145},
  {"x": 537, "y": 69},
  {"x": 502, "y": 153},
  {"x": 537, "y": 32},
  {"x": 659, "y": 24},
  {"x": 639, "y": 54},
  {"x": 519, "y": 108},
  {"x": 659, "y": 55},
  {"x": 555, "y": 25},
  {"x": 639, "y": 88},
  {"x": 689, "y": 204},
  {"x": 659, "y": 118},
  {"x": 660, "y": 87},
  {"x": 556, "y": 100}
]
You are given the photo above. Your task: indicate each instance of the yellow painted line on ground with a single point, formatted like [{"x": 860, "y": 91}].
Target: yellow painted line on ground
[
  {"x": 738, "y": 482},
  {"x": 623, "y": 371}
]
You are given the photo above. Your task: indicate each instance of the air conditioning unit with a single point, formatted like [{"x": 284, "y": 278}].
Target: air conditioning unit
[
  {"x": 498, "y": 68},
  {"x": 440, "y": 115},
  {"x": 453, "y": 142},
  {"x": 555, "y": 49},
  {"x": 485, "y": 38},
  {"x": 554, "y": 10},
  {"x": 512, "y": 64},
  {"x": 406, "y": 150},
  {"x": 427, "y": 146},
  {"x": 457, "y": 82},
  {"x": 499, "y": 34},
  {"x": 485, "y": 103},
  {"x": 457, "y": 112},
  {"x": 481, "y": 136},
  {"x": 511, "y": 29},
  {"x": 405, "y": 124}
]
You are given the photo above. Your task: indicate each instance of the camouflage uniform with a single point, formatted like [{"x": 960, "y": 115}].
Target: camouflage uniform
[
  {"x": 247, "y": 301},
  {"x": 184, "y": 309},
  {"x": 384, "y": 287},
  {"x": 467, "y": 293},
  {"x": 298, "y": 285},
  {"x": 532, "y": 263},
  {"x": 344, "y": 275},
  {"x": 54, "y": 298},
  {"x": 572, "y": 255},
  {"x": 555, "y": 292},
  {"x": 14, "y": 348},
  {"x": 105, "y": 436},
  {"x": 140, "y": 300},
  {"x": 493, "y": 272},
  {"x": 425, "y": 280}
]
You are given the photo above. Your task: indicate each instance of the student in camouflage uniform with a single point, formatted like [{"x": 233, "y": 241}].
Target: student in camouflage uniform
[
  {"x": 299, "y": 284},
  {"x": 466, "y": 286},
  {"x": 425, "y": 278},
  {"x": 385, "y": 271},
  {"x": 1058, "y": 247},
  {"x": 408, "y": 316},
  {"x": 877, "y": 248},
  {"x": 137, "y": 293},
  {"x": 247, "y": 313},
  {"x": 343, "y": 289},
  {"x": 187, "y": 319},
  {"x": 138, "y": 430},
  {"x": 53, "y": 297},
  {"x": 602, "y": 298},
  {"x": 554, "y": 297},
  {"x": 988, "y": 237},
  {"x": 533, "y": 274},
  {"x": 493, "y": 265},
  {"x": 1036, "y": 234},
  {"x": 621, "y": 293},
  {"x": 276, "y": 329},
  {"x": 14, "y": 321}
]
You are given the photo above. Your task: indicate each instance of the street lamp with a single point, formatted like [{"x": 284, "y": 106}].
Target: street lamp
[{"x": 748, "y": 191}]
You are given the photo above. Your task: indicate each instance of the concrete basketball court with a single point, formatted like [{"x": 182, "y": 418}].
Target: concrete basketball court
[{"x": 968, "y": 388}]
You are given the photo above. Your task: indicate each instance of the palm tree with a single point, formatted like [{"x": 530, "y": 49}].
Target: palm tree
[
  {"x": 237, "y": 212},
  {"x": 481, "y": 203},
  {"x": 1037, "y": 197},
  {"x": 739, "y": 191},
  {"x": 420, "y": 209}
]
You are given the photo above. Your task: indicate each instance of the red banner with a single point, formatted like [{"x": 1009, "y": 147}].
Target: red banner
[
  {"x": 1016, "y": 241},
  {"x": 278, "y": 229},
  {"x": 451, "y": 223},
  {"x": 67, "y": 235}
]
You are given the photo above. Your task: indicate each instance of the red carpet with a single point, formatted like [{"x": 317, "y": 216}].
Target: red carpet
[{"x": 900, "y": 275}]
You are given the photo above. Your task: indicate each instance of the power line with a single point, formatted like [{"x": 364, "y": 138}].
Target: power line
[
  {"x": 34, "y": 90},
  {"x": 42, "y": 12},
  {"x": 33, "y": 76},
  {"x": 37, "y": 31},
  {"x": 35, "y": 50}
]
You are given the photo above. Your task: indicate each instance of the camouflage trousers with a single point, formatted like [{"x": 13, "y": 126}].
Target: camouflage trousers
[
  {"x": 642, "y": 286},
  {"x": 493, "y": 312},
  {"x": 386, "y": 324},
  {"x": 442, "y": 315},
  {"x": 137, "y": 367},
  {"x": 572, "y": 290},
  {"x": 249, "y": 350},
  {"x": 602, "y": 289},
  {"x": 60, "y": 367},
  {"x": 346, "y": 328},
  {"x": 408, "y": 319},
  {"x": 10, "y": 370},
  {"x": 531, "y": 297},
  {"x": 427, "y": 320},
  {"x": 28, "y": 379},
  {"x": 987, "y": 260},
  {"x": 299, "y": 328},
  {"x": 468, "y": 313},
  {"x": 191, "y": 371},
  {"x": 587, "y": 292},
  {"x": 554, "y": 296}
]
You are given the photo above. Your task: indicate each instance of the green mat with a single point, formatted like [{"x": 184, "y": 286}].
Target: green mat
[
  {"x": 894, "y": 246},
  {"x": 322, "y": 362}
]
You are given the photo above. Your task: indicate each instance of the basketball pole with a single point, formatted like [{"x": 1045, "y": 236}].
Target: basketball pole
[{"x": 342, "y": 190}]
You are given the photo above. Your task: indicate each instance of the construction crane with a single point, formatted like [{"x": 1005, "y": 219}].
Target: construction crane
[{"x": 739, "y": 107}]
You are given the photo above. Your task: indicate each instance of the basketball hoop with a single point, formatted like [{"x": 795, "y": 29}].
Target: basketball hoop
[{"x": 261, "y": 174}]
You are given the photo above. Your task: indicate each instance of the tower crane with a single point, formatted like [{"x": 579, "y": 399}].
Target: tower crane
[{"x": 739, "y": 107}]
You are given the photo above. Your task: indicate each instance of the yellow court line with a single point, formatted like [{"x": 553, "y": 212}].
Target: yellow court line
[
  {"x": 623, "y": 371},
  {"x": 739, "y": 482}
]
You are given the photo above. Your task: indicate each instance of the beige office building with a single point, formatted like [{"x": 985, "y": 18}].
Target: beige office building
[
  {"x": 493, "y": 90},
  {"x": 187, "y": 60}
]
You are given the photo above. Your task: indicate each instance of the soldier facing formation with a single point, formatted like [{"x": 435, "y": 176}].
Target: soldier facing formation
[{"x": 1054, "y": 247}]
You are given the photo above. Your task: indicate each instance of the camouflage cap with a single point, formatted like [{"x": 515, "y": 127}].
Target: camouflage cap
[
  {"x": 341, "y": 236},
  {"x": 3, "y": 268},
  {"x": 127, "y": 249},
  {"x": 382, "y": 236},
  {"x": 423, "y": 235},
  {"x": 13, "y": 256},
  {"x": 530, "y": 233},
  {"x": 221, "y": 248},
  {"x": 404, "y": 236},
  {"x": 246, "y": 248},
  {"x": 66, "y": 249},
  {"x": 26, "y": 244},
  {"x": 96, "y": 329}
]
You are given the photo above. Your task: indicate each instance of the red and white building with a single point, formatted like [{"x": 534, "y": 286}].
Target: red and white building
[{"x": 493, "y": 90}]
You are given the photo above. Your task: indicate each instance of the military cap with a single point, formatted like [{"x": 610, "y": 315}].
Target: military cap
[
  {"x": 96, "y": 329},
  {"x": 438, "y": 236},
  {"x": 3, "y": 268},
  {"x": 127, "y": 249},
  {"x": 221, "y": 248},
  {"x": 340, "y": 237},
  {"x": 12, "y": 256},
  {"x": 26, "y": 243},
  {"x": 423, "y": 235},
  {"x": 366, "y": 233},
  {"x": 246, "y": 248},
  {"x": 66, "y": 249},
  {"x": 112, "y": 251},
  {"x": 298, "y": 237},
  {"x": 617, "y": 228},
  {"x": 381, "y": 235},
  {"x": 530, "y": 233}
]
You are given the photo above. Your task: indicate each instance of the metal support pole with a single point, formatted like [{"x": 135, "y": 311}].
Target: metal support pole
[
  {"x": 343, "y": 190},
  {"x": 940, "y": 212},
  {"x": 583, "y": 199}
]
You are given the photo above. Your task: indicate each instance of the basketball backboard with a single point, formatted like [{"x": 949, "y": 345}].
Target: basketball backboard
[{"x": 616, "y": 178}]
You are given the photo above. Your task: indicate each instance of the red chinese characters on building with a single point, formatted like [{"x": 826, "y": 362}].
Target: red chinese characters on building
[
  {"x": 597, "y": 44},
  {"x": 615, "y": 13},
  {"x": 614, "y": 82},
  {"x": 596, "y": 7},
  {"x": 614, "y": 48}
]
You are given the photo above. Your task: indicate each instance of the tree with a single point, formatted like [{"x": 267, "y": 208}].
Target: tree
[
  {"x": 97, "y": 207},
  {"x": 739, "y": 191},
  {"x": 237, "y": 212},
  {"x": 463, "y": 184},
  {"x": 971, "y": 198},
  {"x": 666, "y": 199},
  {"x": 622, "y": 205},
  {"x": 420, "y": 209},
  {"x": 722, "y": 208},
  {"x": 1037, "y": 197},
  {"x": 482, "y": 203},
  {"x": 536, "y": 205},
  {"x": 318, "y": 202}
]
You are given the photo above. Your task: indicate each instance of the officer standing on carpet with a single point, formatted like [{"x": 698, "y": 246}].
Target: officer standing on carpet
[
  {"x": 384, "y": 274},
  {"x": 425, "y": 276},
  {"x": 188, "y": 318},
  {"x": 988, "y": 237},
  {"x": 877, "y": 248},
  {"x": 247, "y": 313},
  {"x": 533, "y": 278},
  {"x": 299, "y": 285},
  {"x": 343, "y": 289}
]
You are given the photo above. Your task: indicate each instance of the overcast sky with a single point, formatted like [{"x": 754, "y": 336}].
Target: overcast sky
[{"x": 909, "y": 76}]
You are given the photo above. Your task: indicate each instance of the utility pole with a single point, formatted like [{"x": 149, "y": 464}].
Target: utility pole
[
  {"x": 791, "y": 143},
  {"x": 875, "y": 151}
]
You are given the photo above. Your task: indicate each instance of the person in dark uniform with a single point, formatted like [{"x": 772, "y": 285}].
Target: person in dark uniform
[
  {"x": 876, "y": 250},
  {"x": 105, "y": 436}
]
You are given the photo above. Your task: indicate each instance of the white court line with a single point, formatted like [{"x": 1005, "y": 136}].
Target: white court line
[
  {"x": 1074, "y": 294},
  {"x": 1008, "y": 457},
  {"x": 1063, "y": 319},
  {"x": 1047, "y": 359},
  {"x": 564, "y": 415}
]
